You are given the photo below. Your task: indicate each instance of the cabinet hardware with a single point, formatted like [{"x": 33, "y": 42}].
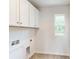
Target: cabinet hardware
[{"x": 19, "y": 22}]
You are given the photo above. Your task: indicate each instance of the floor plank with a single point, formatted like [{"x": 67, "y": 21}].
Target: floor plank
[{"x": 46, "y": 56}]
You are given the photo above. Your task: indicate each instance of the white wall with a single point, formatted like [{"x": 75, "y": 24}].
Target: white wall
[{"x": 46, "y": 41}]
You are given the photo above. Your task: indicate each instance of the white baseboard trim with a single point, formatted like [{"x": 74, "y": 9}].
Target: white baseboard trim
[
  {"x": 50, "y": 53},
  {"x": 53, "y": 53}
]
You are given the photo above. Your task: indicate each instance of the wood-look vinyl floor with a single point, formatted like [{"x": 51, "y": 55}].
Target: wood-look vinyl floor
[{"x": 46, "y": 56}]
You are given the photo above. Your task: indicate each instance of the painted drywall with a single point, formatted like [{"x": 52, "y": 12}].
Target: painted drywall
[
  {"x": 46, "y": 40},
  {"x": 23, "y": 35}
]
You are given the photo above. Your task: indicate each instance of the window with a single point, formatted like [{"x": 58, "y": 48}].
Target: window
[{"x": 59, "y": 24}]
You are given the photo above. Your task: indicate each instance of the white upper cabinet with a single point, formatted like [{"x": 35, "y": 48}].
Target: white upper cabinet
[
  {"x": 13, "y": 13},
  {"x": 24, "y": 10},
  {"x": 23, "y": 13},
  {"x": 34, "y": 14},
  {"x": 18, "y": 13},
  {"x": 36, "y": 17}
]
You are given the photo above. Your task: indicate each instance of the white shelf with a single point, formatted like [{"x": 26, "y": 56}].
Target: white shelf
[{"x": 23, "y": 27}]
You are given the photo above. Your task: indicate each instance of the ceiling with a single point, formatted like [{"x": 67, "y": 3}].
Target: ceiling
[{"x": 43, "y": 3}]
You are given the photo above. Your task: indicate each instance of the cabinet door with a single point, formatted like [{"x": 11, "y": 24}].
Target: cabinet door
[
  {"x": 32, "y": 16},
  {"x": 36, "y": 17},
  {"x": 12, "y": 15},
  {"x": 24, "y": 17}
]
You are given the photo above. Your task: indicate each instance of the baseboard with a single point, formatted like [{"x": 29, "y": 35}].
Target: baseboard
[
  {"x": 53, "y": 53},
  {"x": 49, "y": 53}
]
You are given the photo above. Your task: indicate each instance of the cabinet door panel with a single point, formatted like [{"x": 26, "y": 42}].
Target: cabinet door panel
[
  {"x": 24, "y": 17},
  {"x": 36, "y": 18},
  {"x": 12, "y": 20},
  {"x": 14, "y": 13},
  {"x": 32, "y": 16}
]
